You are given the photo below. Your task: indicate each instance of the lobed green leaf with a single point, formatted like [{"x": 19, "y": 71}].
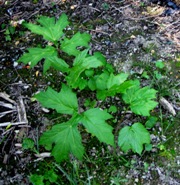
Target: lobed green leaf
[
  {"x": 78, "y": 40},
  {"x": 140, "y": 100},
  {"x": 82, "y": 62},
  {"x": 51, "y": 176},
  {"x": 63, "y": 139},
  {"x": 64, "y": 102},
  {"x": 36, "y": 179},
  {"x": 49, "y": 28},
  {"x": 133, "y": 138},
  {"x": 95, "y": 122},
  {"x": 34, "y": 55},
  {"x": 110, "y": 84}
]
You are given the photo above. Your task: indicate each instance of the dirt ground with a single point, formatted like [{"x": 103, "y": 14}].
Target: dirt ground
[{"x": 131, "y": 34}]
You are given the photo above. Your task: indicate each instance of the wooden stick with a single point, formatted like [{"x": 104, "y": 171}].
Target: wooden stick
[{"x": 12, "y": 124}]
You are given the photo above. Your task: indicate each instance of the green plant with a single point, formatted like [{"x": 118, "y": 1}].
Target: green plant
[
  {"x": 165, "y": 152},
  {"x": 105, "y": 6},
  {"x": 48, "y": 177},
  {"x": 85, "y": 74},
  {"x": 118, "y": 180},
  {"x": 160, "y": 77},
  {"x": 28, "y": 144},
  {"x": 9, "y": 32},
  {"x": 142, "y": 4},
  {"x": 49, "y": 172}
]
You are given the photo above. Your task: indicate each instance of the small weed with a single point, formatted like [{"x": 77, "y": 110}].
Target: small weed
[
  {"x": 118, "y": 180},
  {"x": 9, "y": 31}
]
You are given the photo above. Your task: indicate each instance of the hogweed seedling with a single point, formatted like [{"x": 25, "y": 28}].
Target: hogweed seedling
[{"x": 92, "y": 74}]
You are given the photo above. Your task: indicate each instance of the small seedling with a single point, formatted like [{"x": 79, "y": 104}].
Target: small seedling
[
  {"x": 85, "y": 74},
  {"x": 28, "y": 144}
]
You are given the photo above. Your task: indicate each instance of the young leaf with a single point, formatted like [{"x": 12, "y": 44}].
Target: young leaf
[
  {"x": 92, "y": 84},
  {"x": 157, "y": 75},
  {"x": 101, "y": 81},
  {"x": 152, "y": 120},
  {"x": 89, "y": 103},
  {"x": 50, "y": 29},
  {"x": 160, "y": 64},
  {"x": 64, "y": 138},
  {"x": 112, "y": 109},
  {"x": 89, "y": 72},
  {"x": 133, "y": 138},
  {"x": 94, "y": 121},
  {"x": 140, "y": 100},
  {"x": 51, "y": 176},
  {"x": 36, "y": 179},
  {"x": 110, "y": 81},
  {"x": 81, "y": 83},
  {"x": 81, "y": 63},
  {"x": 70, "y": 45},
  {"x": 64, "y": 102},
  {"x": 112, "y": 85},
  {"x": 148, "y": 147},
  {"x": 115, "y": 81},
  {"x": 34, "y": 55},
  {"x": 28, "y": 143},
  {"x": 145, "y": 75}
]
